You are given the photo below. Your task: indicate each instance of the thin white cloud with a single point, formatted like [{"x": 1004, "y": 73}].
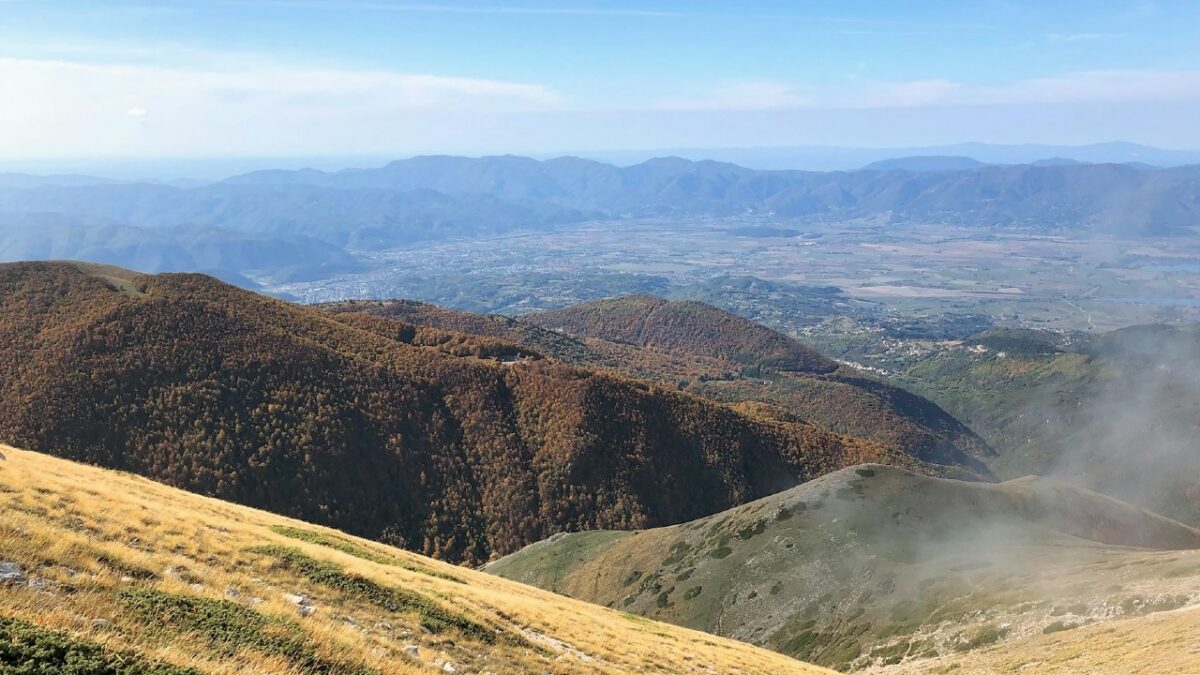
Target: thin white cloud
[
  {"x": 926, "y": 28},
  {"x": 1080, "y": 37},
  {"x": 63, "y": 107},
  {"x": 1079, "y": 87},
  {"x": 244, "y": 105},
  {"x": 342, "y": 5},
  {"x": 1095, "y": 86}
]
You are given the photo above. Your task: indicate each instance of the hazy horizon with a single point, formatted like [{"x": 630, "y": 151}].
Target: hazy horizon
[
  {"x": 313, "y": 78},
  {"x": 800, "y": 157}
]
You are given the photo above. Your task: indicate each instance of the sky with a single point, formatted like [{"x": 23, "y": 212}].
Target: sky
[{"x": 289, "y": 78}]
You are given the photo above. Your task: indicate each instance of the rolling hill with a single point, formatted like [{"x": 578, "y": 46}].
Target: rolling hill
[
  {"x": 715, "y": 354},
  {"x": 107, "y": 573},
  {"x": 773, "y": 373},
  {"x": 874, "y": 566},
  {"x": 454, "y": 445},
  {"x": 692, "y": 327}
]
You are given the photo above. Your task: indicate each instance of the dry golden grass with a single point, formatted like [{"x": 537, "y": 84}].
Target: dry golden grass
[
  {"x": 88, "y": 534},
  {"x": 1165, "y": 642}
]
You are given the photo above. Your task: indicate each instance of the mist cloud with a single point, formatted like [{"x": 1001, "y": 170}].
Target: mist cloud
[
  {"x": 1137, "y": 430},
  {"x": 1078, "y": 87}
]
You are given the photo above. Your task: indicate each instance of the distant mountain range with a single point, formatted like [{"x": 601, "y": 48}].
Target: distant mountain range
[
  {"x": 832, "y": 158},
  {"x": 1107, "y": 198},
  {"x": 24, "y": 180},
  {"x": 189, "y": 172},
  {"x": 195, "y": 248},
  {"x": 439, "y": 196},
  {"x": 926, "y": 163}
]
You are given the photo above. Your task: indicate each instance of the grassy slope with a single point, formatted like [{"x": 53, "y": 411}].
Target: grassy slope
[
  {"x": 195, "y": 582},
  {"x": 873, "y": 565},
  {"x": 1157, "y": 643}
]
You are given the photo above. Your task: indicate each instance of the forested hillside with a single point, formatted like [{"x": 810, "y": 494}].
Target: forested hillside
[
  {"x": 686, "y": 326},
  {"x": 703, "y": 350},
  {"x": 454, "y": 445},
  {"x": 772, "y": 373}
]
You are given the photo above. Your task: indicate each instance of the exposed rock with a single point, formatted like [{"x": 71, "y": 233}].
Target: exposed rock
[
  {"x": 10, "y": 573},
  {"x": 413, "y": 651},
  {"x": 302, "y": 603},
  {"x": 448, "y": 667},
  {"x": 232, "y": 592},
  {"x": 556, "y": 645}
]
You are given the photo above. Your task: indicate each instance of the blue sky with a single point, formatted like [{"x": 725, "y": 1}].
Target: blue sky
[{"x": 387, "y": 77}]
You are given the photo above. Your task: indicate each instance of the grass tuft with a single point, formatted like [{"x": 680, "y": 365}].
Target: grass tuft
[
  {"x": 26, "y": 649},
  {"x": 350, "y": 548},
  {"x": 229, "y": 627},
  {"x": 433, "y": 617}
]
